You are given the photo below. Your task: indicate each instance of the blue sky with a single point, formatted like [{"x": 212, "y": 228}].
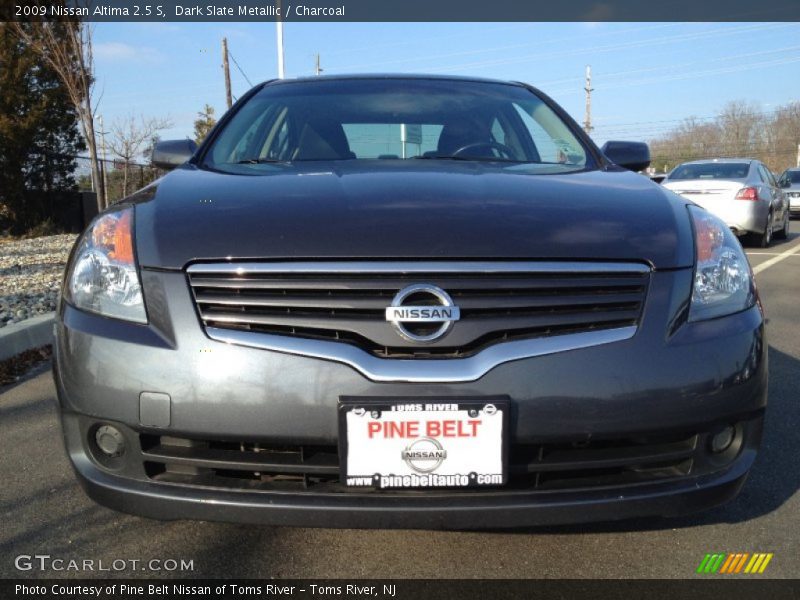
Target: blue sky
[{"x": 646, "y": 76}]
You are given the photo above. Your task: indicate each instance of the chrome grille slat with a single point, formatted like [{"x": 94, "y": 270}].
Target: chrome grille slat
[
  {"x": 378, "y": 332},
  {"x": 345, "y": 302},
  {"x": 349, "y": 284},
  {"x": 379, "y": 303},
  {"x": 322, "y": 301},
  {"x": 418, "y": 267}
]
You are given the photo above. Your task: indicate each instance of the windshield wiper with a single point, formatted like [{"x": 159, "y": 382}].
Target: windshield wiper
[
  {"x": 469, "y": 158},
  {"x": 259, "y": 161}
]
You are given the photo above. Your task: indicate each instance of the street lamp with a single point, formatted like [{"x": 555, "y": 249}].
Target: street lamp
[{"x": 279, "y": 26}]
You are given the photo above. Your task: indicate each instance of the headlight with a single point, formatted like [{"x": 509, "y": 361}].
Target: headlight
[
  {"x": 723, "y": 281},
  {"x": 103, "y": 278}
]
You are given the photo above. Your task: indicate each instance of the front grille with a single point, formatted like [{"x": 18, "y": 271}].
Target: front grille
[
  {"x": 549, "y": 466},
  {"x": 497, "y": 303}
]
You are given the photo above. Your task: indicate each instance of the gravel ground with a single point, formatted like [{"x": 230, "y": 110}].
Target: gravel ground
[
  {"x": 30, "y": 275},
  {"x": 13, "y": 369}
]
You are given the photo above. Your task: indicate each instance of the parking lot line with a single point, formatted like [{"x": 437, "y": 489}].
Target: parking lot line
[{"x": 776, "y": 259}]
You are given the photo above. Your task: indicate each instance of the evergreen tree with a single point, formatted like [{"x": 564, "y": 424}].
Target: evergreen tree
[
  {"x": 204, "y": 122},
  {"x": 39, "y": 136}
]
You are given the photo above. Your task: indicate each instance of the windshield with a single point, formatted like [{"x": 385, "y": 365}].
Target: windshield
[
  {"x": 394, "y": 119},
  {"x": 711, "y": 171}
]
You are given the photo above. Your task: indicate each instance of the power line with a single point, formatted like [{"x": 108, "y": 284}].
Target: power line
[
  {"x": 795, "y": 107},
  {"x": 682, "y": 37},
  {"x": 470, "y": 34},
  {"x": 665, "y": 69},
  {"x": 695, "y": 75},
  {"x": 485, "y": 50},
  {"x": 250, "y": 83}
]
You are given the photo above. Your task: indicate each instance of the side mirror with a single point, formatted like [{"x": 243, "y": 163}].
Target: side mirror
[
  {"x": 634, "y": 156},
  {"x": 169, "y": 154}
]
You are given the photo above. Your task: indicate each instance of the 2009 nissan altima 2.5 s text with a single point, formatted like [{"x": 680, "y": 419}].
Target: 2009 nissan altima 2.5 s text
[{"x": 399, "y": 301}]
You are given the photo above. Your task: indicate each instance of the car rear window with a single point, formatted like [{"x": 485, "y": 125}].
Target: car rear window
[
  {"x": 396, "y": 119},
  {"x": 792, "y": 176},
  {"x": 711, "y": 171}
]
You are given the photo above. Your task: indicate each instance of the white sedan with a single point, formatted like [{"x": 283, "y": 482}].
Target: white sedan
[{"x": 743, "y": 192}]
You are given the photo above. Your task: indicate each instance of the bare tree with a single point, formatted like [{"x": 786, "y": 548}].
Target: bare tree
[
  {"x": 739, "y": 130},
  {"x": 783, "y": 132},
  {"x": 129, "y": 136},
  {"x": 743, "y": 125},
  {"x": 67, "y": 48}
]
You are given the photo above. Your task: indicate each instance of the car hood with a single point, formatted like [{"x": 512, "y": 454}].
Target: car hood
[{"x": 409, "y": 209}]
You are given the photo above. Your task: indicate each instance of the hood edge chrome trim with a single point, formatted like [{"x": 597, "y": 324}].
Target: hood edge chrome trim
[
  {"x": 460, "y": 370},
  {"x": 455, "y": 267}
]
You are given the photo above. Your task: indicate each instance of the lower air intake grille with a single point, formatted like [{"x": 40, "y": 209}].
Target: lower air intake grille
[{"x": 549, "y": 466}]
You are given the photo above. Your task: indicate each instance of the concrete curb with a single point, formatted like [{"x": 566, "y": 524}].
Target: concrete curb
[{"x": 26, "y": 335}]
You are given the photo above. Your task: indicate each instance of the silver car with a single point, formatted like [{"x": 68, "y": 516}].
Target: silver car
[
  {"x": 742, "y": 192},
  {"x": 790, "y": 182}
]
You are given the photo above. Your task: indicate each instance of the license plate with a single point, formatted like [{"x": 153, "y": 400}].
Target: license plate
[{"x": 429, "y": 444}]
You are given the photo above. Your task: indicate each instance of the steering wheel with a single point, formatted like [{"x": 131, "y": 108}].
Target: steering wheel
[{"x": 503, "y": 150}]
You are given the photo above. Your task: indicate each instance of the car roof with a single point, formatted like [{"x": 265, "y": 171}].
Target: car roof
[
  {"x": 420, "y": 76},
  {"x": 707, "y": 161}
]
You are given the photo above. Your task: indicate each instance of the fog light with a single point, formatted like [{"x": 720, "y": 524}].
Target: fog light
[
  {"x": 110, "y": 440},
  {"x": 722, "y": 440}
]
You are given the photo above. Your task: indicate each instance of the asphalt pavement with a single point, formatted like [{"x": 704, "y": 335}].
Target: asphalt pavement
[{"x": 45, "y": 512}]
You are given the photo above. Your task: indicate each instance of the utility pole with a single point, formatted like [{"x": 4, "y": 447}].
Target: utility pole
[
  {"x": 279, "y": 27},
  {"x": 317, "y": 68},
  {"x": 227, "y": 69},
  {"x": 587, "y": 124},
  {"x": 103, "y": 151},
  {"x": 798, "y": 155}
]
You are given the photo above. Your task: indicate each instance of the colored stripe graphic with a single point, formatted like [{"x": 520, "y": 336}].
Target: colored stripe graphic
[
  {"x": 711, "y": 563},
  {"x": 754, "y": 563},
  {"x": 741, "y": 562},
  {"x": 728, "y": 563},
  {"x": 764, "y": 564},
  {"x": 732, "y": 563},
  {"x": 702, "y": 567}
]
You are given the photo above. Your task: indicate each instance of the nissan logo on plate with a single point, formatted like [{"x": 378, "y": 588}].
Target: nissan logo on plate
[
  {"x": 422, "y": 313},
  {"x": 424, "y": 455}
]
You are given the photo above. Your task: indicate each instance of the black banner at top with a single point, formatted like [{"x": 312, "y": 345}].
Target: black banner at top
[{"x": 401, "y": 10}]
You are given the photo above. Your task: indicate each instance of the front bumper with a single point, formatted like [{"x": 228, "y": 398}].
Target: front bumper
[
  {"x": 418, "y": 510},
  {"x": 669, "y": 377}
]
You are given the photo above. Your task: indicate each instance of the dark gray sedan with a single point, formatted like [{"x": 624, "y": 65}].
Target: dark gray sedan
[{"x": 397, "y": 301}]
